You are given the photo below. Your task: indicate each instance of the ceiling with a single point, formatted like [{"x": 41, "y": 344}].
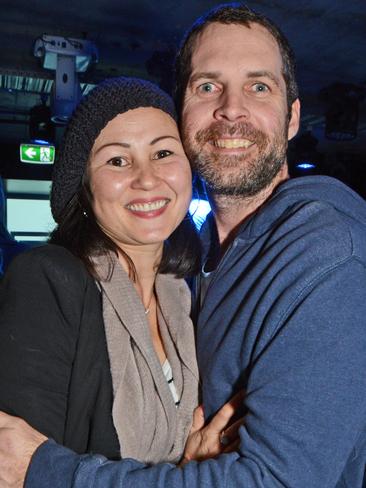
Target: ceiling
[{"x": 139, "y": 38}]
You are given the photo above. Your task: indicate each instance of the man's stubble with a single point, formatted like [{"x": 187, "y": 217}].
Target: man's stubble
[{"x": 239, "y": 175}]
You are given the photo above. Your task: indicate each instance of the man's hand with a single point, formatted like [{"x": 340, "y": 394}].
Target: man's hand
[
  {"x": 18, "y": 441},
  {"x": 216, "y": 437}
]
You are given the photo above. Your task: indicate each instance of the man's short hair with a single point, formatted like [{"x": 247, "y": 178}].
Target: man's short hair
[{"x": 232, "y": 13}]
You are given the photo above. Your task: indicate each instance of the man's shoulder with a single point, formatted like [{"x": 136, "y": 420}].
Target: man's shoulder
[
  {"x": 321, "y": 210},
  {"x": 317, "y": 231}
]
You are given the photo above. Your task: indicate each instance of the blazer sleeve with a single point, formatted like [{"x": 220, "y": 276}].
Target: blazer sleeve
[{"x": 41, "y": 300}]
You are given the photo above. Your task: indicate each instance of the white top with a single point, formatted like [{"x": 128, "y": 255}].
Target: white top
[{"x": 168, "y": 373}]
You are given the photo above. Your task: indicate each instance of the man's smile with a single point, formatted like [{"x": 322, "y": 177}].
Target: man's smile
[{"x": 232, "y": 143}]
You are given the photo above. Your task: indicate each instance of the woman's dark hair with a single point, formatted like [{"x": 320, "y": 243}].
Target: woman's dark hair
[
  {"x": 79, "y": 232},
  {"x": 232, "y": 13}
]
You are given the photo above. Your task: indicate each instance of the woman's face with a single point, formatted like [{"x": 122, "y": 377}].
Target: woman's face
[{"x": 140, "y": 178}]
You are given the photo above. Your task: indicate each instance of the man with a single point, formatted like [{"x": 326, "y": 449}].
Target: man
[{"x": 282, "y": 292}]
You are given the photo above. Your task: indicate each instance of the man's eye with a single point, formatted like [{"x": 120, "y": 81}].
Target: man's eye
[
  {"x": 118, "y": 161},
  {"x": 260, "y": 88},
  {"x": 207, "y": 88},
  {"x": 164, "y": 153}
]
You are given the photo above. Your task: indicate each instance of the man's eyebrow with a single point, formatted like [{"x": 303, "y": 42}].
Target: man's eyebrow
[
  {"x": 264, "y": 74},
  {"x": 157, "y": 139},
  {"x": 122, "y": 144},
  {"x": 212, "y": 75}
]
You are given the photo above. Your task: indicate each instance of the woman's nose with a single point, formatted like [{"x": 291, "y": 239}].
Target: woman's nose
[{"x": 145, "y": 177}]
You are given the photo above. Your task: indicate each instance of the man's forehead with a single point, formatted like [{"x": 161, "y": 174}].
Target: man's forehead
[
  {"x": 219, "y": 38},
  {"x": 217, "y": 33}
]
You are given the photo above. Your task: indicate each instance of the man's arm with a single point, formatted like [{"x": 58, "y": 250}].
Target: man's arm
[{"x": 306, "y": 399}]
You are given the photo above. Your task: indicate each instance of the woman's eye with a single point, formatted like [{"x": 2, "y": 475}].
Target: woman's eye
[
  {"x": 260, "y": 88},
  {"x": 164, "y": 153},
  {"x": 207, "y": 88},
  {"x": 118, "y": 161}
]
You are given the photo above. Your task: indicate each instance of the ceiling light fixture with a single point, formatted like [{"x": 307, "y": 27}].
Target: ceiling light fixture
[{"x": 67, "y": 57}]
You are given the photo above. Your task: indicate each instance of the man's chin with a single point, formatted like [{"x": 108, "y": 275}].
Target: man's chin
[
  {"x": 230, "y": 185},
  {"x": 232, "y": 180}
]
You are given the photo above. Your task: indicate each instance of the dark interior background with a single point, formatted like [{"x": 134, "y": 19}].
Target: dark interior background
[{"x": 140, "y": 37}]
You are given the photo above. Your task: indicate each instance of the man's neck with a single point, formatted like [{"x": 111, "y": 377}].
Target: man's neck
[{"x": 231, "y": 211}]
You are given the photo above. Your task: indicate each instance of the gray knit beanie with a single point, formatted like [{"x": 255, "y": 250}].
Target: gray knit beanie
[{"x": 108, "y": 99}]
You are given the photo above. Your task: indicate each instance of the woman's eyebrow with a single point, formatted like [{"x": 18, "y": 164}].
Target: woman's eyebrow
[
  {"x": 122, "y": 144},
  {"x": 126, "y": 145},
  {"x": 157, "y": 139}
]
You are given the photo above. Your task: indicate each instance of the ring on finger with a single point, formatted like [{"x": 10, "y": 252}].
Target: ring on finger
[{"x": 224, "y": 440}]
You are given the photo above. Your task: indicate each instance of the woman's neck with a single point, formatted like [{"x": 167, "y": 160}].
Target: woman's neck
[{"x": 146, "y": 260}]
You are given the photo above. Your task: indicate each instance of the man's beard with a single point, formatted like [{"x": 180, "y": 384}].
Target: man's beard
[{"x": 237, "y": 175}]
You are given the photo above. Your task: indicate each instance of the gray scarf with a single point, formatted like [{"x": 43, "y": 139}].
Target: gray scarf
[{"x": 149, "y": 426}]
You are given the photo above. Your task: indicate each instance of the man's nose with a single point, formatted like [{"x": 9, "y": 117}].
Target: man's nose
[{"x": 232, "y": 107}]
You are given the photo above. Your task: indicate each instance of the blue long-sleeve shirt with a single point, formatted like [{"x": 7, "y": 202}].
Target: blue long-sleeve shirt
[{"x": 284, "y": 317}]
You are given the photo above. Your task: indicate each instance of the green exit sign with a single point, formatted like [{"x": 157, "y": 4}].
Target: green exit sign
[{"x": 37, "y": 154}]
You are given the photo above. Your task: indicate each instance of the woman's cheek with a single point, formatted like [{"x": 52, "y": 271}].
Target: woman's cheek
[
  {"x": 108, "y": 187},
  {"x": 181, "y": 173}
]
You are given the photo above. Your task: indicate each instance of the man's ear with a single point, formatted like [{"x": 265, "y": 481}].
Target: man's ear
[{"x": 294, "y": 123}]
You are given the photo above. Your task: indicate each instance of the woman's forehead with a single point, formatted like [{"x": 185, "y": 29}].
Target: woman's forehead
[{"x": 145, "y": 123}]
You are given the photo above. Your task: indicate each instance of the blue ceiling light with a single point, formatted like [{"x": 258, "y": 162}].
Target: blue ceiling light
[
  {"x": 305, "y": 165},
  {"x": 42, "y": 142}
]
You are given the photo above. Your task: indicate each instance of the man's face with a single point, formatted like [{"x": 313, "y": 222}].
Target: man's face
[{"x": 235, "y": 118}]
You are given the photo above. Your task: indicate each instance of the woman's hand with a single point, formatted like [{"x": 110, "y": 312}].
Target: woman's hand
[
  {"x": 216, "y": 437},
  {"x": 18, "y": 441}
]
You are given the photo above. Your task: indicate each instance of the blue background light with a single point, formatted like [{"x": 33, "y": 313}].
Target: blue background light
[
  {"x": 199, "y": 210},
  {"x": 305, "y": 165}
]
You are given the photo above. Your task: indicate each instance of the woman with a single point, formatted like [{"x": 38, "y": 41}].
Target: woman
[{"x": 96, "y": 345}]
